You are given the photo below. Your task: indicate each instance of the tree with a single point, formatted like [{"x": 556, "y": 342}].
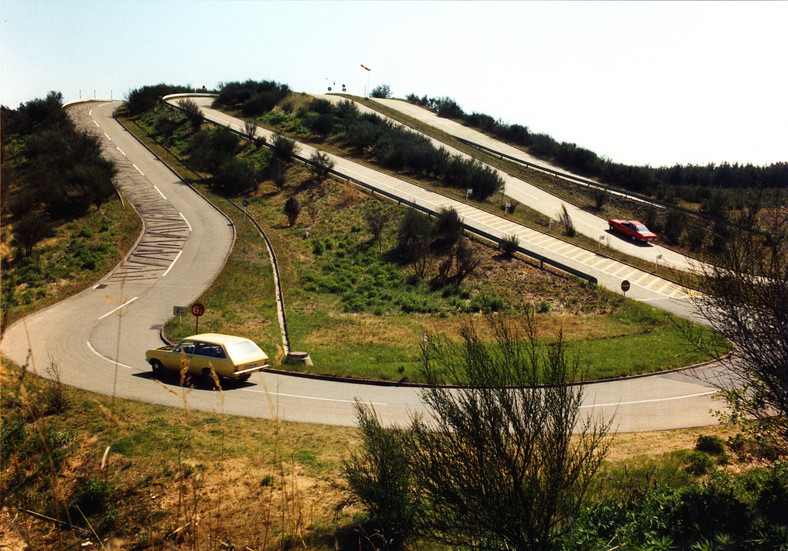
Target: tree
[
  {"x": 415, "y": 230},
  {"x": 235, "y": 177},
  {"x": 378, "y": 474},
  {"x": 498, "y": 461},
  {"x": 192, "y": 112},
  {"x": 382, "y": 91},
  {"x": 284, "y": 148},
  {"x": 320, "y": 165},
  {"x": 29, "y": 230},
  {"x": 376, "y": 219},
  {"x": 448, "y": 226},
  {"x": 292, "y": 209},
  {"x": 744, "y": 299},
  {"x": 250, "y": 130}
]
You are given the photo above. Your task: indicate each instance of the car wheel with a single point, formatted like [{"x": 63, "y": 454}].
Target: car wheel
[
  {"x": 156, "y": 366},
  {"x": 243, "y": 378},
  {"x": 634, "y": 238},
  {"x": 611, "y": 227}
]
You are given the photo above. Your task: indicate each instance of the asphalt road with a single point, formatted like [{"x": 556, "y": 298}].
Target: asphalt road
[{"x": 98, "y": 338}]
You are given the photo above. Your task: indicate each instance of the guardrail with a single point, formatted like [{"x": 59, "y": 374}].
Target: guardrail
[{"x": 542, "y": 259}]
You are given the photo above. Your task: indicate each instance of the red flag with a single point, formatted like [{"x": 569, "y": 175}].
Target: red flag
[{"x": 367, "y": 68}]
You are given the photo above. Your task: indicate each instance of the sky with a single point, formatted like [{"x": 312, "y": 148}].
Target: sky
[{"x": 652, "y": 83}]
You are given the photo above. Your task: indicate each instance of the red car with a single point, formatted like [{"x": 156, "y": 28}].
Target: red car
[{"x": 632, "y": 229}]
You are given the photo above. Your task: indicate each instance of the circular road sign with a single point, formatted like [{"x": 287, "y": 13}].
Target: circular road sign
[
  {"x": 197, "y": 309},
  {"x": 625, "y": 285}
]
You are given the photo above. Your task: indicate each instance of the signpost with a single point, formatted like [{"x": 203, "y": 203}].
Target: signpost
[
  {"x": 180, "y": 311},
  {"x": 625, "y": 287},
  {"x": 197, "y": 311},
  {"x": 245, "y": 204}
]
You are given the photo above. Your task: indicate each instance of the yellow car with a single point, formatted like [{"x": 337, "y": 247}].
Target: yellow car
[{"x": 230, "y": 357}]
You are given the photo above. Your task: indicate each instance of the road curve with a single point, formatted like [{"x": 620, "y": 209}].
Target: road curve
[{"x": 98, "y": 337}]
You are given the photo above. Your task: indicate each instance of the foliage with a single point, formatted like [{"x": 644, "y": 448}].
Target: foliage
[
  {"x": 381, "y": 91},
  {"x": 320, "y": 165},
  {"x": 145, "y": 98},
  {"x": 744, "y": 299},
  {"x": 414, "y": 234},
  {"x": 292, "y": 209},
  {"x": 192, "y": 112},
  {"x": 378, "y": 474},
  {"x": 495, "y": 462},
  {"x": 235, "y": 177},
  {"x": 448, "y": 226},
  {"x": 566, "y": 220},
  {"x": 284, "y": 148},
  {"x": 210, "y": 149},
  {"x": 252, "y": 98},
  {"x": 509, "y": 245}
]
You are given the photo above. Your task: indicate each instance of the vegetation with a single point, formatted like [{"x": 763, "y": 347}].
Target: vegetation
[
  {"x": 691, "y": 183},
  {"x": 745, "y": 300},
  {"x": 63, "y": 224}
]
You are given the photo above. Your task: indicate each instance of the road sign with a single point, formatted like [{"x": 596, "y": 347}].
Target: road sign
[
  {"x": 197, "y": 311},
  {"x": 625, "y": 286},
  {"x": 180, "y": 310}
]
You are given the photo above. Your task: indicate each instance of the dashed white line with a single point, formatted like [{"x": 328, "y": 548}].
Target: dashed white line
[
  {"x": 110, "y": 139},
  {"x": 97, "y": 124},
  {"x": 119, "y": 307},
  {"x": 187, "y": 222},
  {"x": 121, "y": 151},
  {"x": 309, "y": 397},
  {"x": 103, "y": 357},
  {"x": 160, "y": 193},
  {"x": 138, "y": 170},
  {"x": 172, "y": 263},
  {"x": 709, "y": 393}
]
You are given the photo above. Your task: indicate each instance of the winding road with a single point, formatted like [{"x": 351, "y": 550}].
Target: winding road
[{"x": 97, "y": 339}]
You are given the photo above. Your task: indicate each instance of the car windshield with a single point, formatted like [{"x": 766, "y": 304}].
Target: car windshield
[{"x": 243, "y": 349}]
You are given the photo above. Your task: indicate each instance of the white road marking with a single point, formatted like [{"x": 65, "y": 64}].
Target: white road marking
[
  {"x": 121, "y": 151},
  {"x": 90, "y": 113},
  {"x": 97, "y": 124},
  {"x": 650, "y": 401},
  {"x": 103, "y": 357},
  {"x": 110, "y": 139},
  {"x": 187, "y": 222},
  {"x": 119, "y": 307},
  {"x": 160, "y": 193},
  {"x": 309, "y": 397},
  {"x": 138, "y": 170},
  {"x": 172, "y": 264}
]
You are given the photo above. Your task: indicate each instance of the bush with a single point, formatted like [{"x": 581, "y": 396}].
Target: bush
[
  {"x": 292, "y": 209},
  {"x": 382, "y": 91},
  {"x": 192, "y": 112},
  {"x": 710, "y": 444},
  {"x": 509, "y": 245},
  {"x": 320, "y": 165},
  {"x": 699, "y": 464},
  {"x": 235, "y": 177}
]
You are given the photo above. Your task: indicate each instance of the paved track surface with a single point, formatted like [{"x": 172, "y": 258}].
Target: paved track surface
[{"x": 98, "y": 338}]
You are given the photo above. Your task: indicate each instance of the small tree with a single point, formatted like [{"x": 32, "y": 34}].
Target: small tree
[
  {"x": 379, "y": 476},
  {"x": 448, "y": 225},
  {"x": 509, "y": 245},
  {"x": 382, "y": 91},
  {"x": 376, "y": 220},
  {"x": 250, "y": 130},
  {"x": 29, "y": 231},
  {"x": 292, "y": 209},
  {"x": 192, "y": 112},
  {"x": 284, "y": 148},
  {"x": 502, "y": 461},
  {"x": 566, "y": 221},
  {"x": 320, "y": 165},
  {"x": 744, "y": 298},
  {"x": 601, "y": 196}
]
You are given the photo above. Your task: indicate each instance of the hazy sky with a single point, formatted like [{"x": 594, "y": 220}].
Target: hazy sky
[{"x": 644, "y": 83}]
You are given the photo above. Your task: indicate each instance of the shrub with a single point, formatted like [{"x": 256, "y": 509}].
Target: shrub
[
  {"x": 509, "y": 245},
  {"x": 710, "y": 444},
  {"x": 320, "y": 165},
  {"x": 566, "y": 221},
  {"x": 382, "y": 91},
  {"x": 192, "y": 112},
  {"x": 699, "y": 464},
  {"x": 292, "y": 209},
  {"x": 235, "y": 177},
  {"x": 544, "y": 307}
]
